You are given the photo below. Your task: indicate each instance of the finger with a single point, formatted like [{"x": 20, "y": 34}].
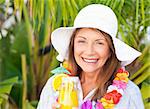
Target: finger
[{"x": 55, "y": 105}]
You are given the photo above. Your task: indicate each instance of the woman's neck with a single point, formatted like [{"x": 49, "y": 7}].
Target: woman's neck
[
  {"x": 88, "y": 82},
  {"x": 89, "y": 77}
]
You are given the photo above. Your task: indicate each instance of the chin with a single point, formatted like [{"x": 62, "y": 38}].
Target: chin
[{"x": 90, "y": 70}]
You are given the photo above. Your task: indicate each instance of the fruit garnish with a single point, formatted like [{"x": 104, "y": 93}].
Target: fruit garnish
[{"x": 57, "y": 81}]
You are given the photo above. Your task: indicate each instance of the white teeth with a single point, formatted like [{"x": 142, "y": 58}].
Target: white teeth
[{"x": 90, "y": 60}]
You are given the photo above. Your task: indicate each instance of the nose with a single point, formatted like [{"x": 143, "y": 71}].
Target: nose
[{"x": 90, "y": 49}]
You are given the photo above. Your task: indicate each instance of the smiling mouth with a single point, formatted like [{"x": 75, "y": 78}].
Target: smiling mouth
[{"x": 90, "y": 60}]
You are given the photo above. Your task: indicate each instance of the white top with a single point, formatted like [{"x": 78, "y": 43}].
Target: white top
[{"x": 131, "y": 98}]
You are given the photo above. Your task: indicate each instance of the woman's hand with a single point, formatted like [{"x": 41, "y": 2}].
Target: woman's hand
[{"x": 55, "y": 105}]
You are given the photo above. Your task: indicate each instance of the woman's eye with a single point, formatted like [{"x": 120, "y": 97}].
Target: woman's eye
[
  {"x": 81, "y": 41},
  {"x": 100, "y": 43}
]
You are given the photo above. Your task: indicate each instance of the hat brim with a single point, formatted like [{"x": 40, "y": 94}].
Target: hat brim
[{"x": 61, "y": 39}]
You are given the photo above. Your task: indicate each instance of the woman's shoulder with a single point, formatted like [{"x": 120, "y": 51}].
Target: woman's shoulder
[
  {"x": 49, "y": 81},
  {"x": 131, "y": 98},
  {"x": 48, "y": 85},
  {"x": 46, "y": 96},
  {"x": 132, "y": 88}
]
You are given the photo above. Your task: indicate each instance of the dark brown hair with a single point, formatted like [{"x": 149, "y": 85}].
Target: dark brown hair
[{"x": 109, "y": 68}]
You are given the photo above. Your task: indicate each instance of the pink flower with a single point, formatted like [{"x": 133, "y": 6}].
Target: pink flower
[
  {"x": 119, "y": 84},
  {"x": 99, "y": 105},
  {"x": 87, "y": 105}
]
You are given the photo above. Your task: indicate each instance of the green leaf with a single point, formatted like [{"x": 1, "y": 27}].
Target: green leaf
[
  {"x": 9, "y": 81},
  {"x": 28, "y": 105},
  {"x": 142, "y": 77},
  {"x": 147, "y": 105},
  {"x": 141, "y": 70},
  {"x": 5, "y": 88},
  {"x": 2, "y": 1},
  {"x": 6, "y": 85},
  {"x": 1, "y": 100},
  {"x": 145, "y": 90}
]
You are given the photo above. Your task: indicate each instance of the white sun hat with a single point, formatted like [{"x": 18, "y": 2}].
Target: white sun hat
[{"x": 94, "y": 16}]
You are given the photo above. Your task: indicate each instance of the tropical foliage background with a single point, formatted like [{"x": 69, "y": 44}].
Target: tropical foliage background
[{"x": 26, "y": 54}]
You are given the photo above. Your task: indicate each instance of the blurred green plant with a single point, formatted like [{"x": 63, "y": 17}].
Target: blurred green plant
[
  {"x": 5, "y": 89},
  {"x": 145, "y": 93},
  {"x": 29, "y": 34}
]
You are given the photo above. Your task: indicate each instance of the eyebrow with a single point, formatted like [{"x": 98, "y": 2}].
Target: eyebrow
[
  {"x": 85, "y": 38},
  {"x": 99, "y": 39},
  {"x": 80, "y": 37}
]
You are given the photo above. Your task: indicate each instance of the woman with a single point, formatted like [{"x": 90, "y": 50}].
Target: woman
[{"x": 97, "y": 57}]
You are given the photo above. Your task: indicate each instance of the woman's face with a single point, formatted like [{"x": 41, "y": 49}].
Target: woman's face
[{"x": 91, "y": 50}]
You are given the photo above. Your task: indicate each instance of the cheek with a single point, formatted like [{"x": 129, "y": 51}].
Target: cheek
[
  {"x": 77, "y": 54},
  {"x": 78, "y": 49},
  {"x": 104, "y": 52}
]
